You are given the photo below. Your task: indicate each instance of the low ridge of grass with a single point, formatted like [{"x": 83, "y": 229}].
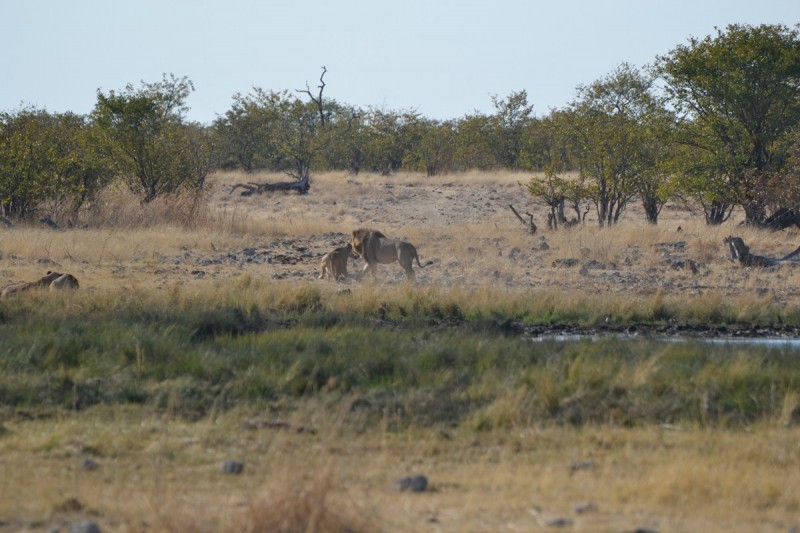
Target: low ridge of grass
[{"x": 430, "y": 357}]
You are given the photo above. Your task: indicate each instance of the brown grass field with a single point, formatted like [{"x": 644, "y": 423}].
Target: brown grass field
[
  {"x": 461, "y": 222},
  {"x": 162, "y": 473}
]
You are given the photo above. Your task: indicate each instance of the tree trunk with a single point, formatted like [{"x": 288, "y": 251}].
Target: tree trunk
[
  {"x": 716, "y": 213},
  {"x": 651, "y": 209},
  {"x": 561, "y": 216},
  {"x": 755, "y": 213}
]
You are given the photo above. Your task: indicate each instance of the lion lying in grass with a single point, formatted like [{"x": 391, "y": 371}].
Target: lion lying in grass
[
  {"x": 66, "y": 281},
  {"x": 334, "y": 263},
  {"x": 53, "y": 280},
  {"x": 374, "y": 247}
]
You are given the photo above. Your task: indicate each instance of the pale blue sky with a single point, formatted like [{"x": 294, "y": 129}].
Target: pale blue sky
[{"x": 443, "y": 58}]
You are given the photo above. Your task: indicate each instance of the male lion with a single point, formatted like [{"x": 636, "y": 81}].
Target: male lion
[
  {"x": 334, "y": 263},
  {"x": 23, "y": 286},
  {"x": 374, "y": 247},
  {"x": 67, "y": 281}
]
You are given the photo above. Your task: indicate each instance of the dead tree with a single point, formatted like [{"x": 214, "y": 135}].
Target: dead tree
[
  {"x": 531, "y": 224},
  {"x": 301, "y": 151},
  {"x": 301, "y": 186},
  {"x": 318, "y": 99},
  {"x": 783, "y": 218}
]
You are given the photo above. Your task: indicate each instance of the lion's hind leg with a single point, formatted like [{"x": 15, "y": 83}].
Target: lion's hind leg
[
  {"x": 408, "y": 266},
  {"x": 405, "y": 258},
  {"x": 325, "y": 266}
]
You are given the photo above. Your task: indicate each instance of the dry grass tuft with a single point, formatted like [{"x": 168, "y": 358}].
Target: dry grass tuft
[
  {"x": 117, "y": 207},
  {"x": 162, "y": 475},
  {"x": 308, "y": 503}
]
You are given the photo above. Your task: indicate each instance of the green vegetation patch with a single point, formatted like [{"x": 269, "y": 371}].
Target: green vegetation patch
[{"x": 418, "y": 361}]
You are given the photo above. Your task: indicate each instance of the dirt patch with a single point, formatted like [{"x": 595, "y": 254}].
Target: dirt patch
[{"x": 465, "y": 226}]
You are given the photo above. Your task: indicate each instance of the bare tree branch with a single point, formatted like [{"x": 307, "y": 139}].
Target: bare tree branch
[
  {"x": 318, "y": 99},
  {"x": 531, "y": 226}
]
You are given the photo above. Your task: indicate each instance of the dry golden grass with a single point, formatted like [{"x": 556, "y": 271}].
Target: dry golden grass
[
  {"x": 463, "y": 223},
  {"x": 459, "y": 220},
  {"x": 164, "y": 475},
  {"x": 161, "y": 474}
]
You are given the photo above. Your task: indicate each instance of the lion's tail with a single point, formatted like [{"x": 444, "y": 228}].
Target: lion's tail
[{"x": 430, "y": 262}]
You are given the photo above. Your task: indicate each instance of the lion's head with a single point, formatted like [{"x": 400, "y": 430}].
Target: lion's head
[{"x": 360, "y": 235}]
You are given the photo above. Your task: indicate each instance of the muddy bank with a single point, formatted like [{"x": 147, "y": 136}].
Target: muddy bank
[{"x": 783, "y": 332}]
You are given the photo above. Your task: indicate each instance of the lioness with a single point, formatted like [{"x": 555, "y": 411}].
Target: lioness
[
  {"x": 23, "y": 286},
  {"x": 334, "y": 263},
  {"x": 374, "y": 247}
]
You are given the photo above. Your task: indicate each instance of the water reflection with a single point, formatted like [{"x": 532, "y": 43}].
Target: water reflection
[{"x": 769, "y": 342}]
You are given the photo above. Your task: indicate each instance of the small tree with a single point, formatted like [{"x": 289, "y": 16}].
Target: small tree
[
  {"x": 47, "y": 158},
  {"x": 347, "y": 132},
  {"x": 27, "y": 161},
  {"x": 739, "y": 95},
  {"x": 392, "y": 138},
  {"x": 610, "y": 127},
  {"x": 473, "y": 148},
  {"x": 699, "y": 179},
  {"x": 656, "y": 183},
  {"x": 559, "y": 192},
  {"x": 303, "y": 133},
  {"x": 299, "y": 138},
  {"x": 81, "y": 171},
  {"x": 558, "y": 188},
  {"x": 247, "y": 134},
  {"x": 433, "y": 153},
  {"x": 146, "y": 138},
  {"x": 510, "y": 121}
]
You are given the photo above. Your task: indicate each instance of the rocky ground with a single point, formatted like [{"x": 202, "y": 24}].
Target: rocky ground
[
  {"x": 467, "y": 228},
  {"x": 462, "y": 223}
]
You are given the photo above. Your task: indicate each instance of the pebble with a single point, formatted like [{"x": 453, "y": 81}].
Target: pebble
[
  {"x": 84, "y": 527},
  {"x": 89, "y": 464},
  {"x": 412, "y": 483},
  {"x": 232, "y": 467}
]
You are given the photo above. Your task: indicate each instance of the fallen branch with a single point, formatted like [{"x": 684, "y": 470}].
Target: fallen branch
[
  {"x": 741, "y": 252},
  {"x": 783, "y": 218},
  {"x": 531, "y": 225},
  {"x": 301, "y": 186}
]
